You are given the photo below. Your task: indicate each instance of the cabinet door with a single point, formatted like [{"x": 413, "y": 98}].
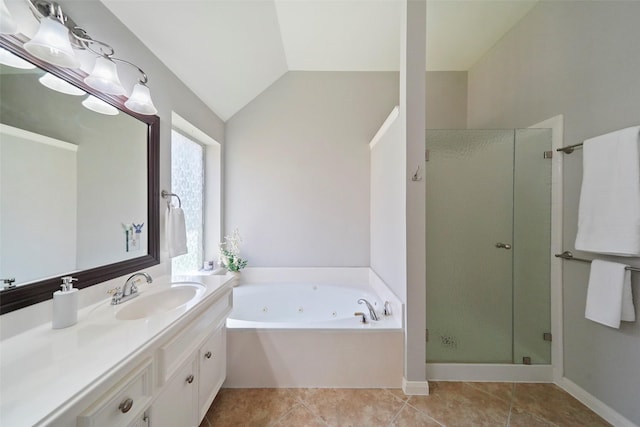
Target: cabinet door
[
  {"x": 141, "y": 421},
  {"x": 176, "y": 405},
  {"x": 213, "y": 368}
]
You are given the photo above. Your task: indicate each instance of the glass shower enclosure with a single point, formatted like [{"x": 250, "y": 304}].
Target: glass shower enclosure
[{"x": 488, "y": 246}]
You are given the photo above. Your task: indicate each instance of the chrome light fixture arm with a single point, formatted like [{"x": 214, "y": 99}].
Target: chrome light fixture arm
[
  {"x": 144, "y": 79},
  {"x": 43, "y": 8},
  {"x": 104, "y": 77}
]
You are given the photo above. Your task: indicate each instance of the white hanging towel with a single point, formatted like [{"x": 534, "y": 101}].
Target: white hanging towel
[
  {"x": 609, "y": 213},
  {"x": 176, "y": 232},
  {"x": 609, "y": 298}
]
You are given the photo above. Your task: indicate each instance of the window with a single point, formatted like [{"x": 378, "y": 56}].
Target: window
[
  {"x": 187, "y": 181},
  {"x": 196, "y": 176}
]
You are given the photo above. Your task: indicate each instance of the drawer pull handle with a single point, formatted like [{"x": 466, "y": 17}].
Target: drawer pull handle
[
  {"x": 190, "y": 379},
  {"x": 126, "y": 405},
  {"x": 207, "y": 355}
]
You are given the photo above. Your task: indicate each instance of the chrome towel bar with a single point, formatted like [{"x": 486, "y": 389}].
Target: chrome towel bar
[
  {"x": 166, "y": 195},
  {"x": 568, "y": 150},
  {"x": 569, "y": 256}
]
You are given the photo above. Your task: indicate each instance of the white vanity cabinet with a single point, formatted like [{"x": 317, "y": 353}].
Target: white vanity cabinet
[
  {"x": 188, "y": 393},
  {"x": 163, "y": 369},
  {"x": 212, "y": 368},
  {"x": 191, "y": 368}
]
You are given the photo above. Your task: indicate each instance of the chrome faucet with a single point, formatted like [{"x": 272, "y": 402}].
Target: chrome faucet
[
  {"x": 387, "y": 308},
  {"x": 372, "y": 312},
  {"x": 9, "y": 283},
  {"x": 129, "y": 290}
]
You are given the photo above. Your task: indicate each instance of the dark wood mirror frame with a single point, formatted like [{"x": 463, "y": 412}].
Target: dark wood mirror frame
[{"x": 35, "y": 292}]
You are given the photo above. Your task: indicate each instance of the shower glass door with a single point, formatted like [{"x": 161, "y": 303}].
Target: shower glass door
[
  {"x": 486, "y": 302},
  {"x": 469, "y": 210}
]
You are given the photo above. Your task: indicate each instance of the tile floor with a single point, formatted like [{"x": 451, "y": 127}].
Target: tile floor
[{"x": 450, "y": 404}]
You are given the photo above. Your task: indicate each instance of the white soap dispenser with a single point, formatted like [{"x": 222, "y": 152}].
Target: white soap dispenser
[{"x": 65, "y": 304}]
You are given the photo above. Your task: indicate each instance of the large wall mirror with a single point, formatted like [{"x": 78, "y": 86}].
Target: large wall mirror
[{"x": 79, "y": 182}]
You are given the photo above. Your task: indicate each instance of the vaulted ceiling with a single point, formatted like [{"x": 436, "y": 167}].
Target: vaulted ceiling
[{"x": 229, "y": 51}]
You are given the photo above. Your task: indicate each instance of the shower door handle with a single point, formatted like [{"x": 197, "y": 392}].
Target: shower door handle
[{"x": 503, "y": 245}]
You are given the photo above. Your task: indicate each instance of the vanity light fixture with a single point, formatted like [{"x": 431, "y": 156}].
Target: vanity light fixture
[
  {"x": 8, "y": 58},
  {"x": 7, "y": 23},
  {"x": 59, "y": 85},
  {"x": 99, "y": 106},
  {"x": 51, "y": 44},
  {"x": 104, "y": 77},
  {"x": 140, "y": 99},
  {"x": 57, "y": 39}
]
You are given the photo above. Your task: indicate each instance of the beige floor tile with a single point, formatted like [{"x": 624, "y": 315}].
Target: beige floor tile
[
  {"x": 411, "y": 417},
  {"x": 299, "y": 416},
  {"x": 459, "y": 404},
  {"x": 549, "y": 402},
  {"x": 518, "y": 418},
  {"x": 503, "y": 391},
  {"x": 352, "y": 407},
  {"x": 250, "y": 407},
  {"x": 397, "y": 392}
]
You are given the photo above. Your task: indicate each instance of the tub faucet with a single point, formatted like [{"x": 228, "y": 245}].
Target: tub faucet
[
  {"x": 387, "y": 308},
  {"x": 372, "y": 312}
]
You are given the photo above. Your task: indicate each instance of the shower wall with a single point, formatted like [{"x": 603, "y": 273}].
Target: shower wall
[{"x": 488, "y": 240}]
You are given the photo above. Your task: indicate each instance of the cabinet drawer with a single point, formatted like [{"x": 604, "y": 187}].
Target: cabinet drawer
[
  {"x": 172, "y": 354},
  {"x": 125, "y": 402}
]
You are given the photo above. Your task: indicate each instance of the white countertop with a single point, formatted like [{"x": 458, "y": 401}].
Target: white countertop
[{"x": 43, "y": 368}]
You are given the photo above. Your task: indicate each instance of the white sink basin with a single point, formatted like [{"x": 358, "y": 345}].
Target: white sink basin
[{"x": 176, "y": 295}]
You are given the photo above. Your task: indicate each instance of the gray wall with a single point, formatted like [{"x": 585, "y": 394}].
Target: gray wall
[
  {"x": 297, "y": 168},
  {"x": 297, "y": 163},
  {"x": 446, "y": 99},
  {"x": 579, "y": 59}
]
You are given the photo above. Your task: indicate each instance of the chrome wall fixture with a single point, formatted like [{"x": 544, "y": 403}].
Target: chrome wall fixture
[
  {"x": 167, "y": 195},
  {"x": 56, "y": 42}
]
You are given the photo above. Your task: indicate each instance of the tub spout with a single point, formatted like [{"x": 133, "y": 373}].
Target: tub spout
[{"x": 372, "y": 312}]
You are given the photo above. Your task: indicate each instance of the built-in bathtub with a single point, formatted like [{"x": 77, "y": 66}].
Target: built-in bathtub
[{"x": 295, "y": 327}]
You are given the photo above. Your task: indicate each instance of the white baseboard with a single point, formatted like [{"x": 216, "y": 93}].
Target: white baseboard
[
  {"x": 489, "y": 372},
  {"x": 595, "y": 404},
  {"x": 415, "y": 388}
]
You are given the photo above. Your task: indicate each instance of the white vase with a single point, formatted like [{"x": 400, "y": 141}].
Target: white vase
[{"x": 236, "y": 277}]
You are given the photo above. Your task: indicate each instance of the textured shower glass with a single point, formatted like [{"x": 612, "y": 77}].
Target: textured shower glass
[
  {"x": 487, "y": 304},
  {"x": 469, "y": 179},
  {"x": 187, "y": 181},
  {"x": 531, "y": 246}
]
